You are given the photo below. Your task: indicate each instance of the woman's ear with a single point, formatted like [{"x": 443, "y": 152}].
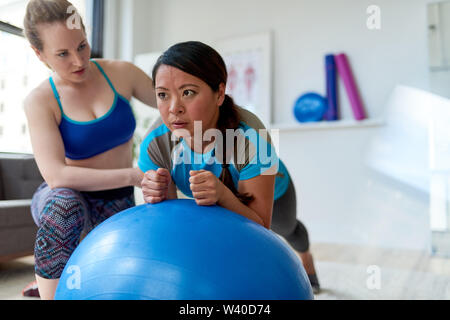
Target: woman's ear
[
  {"x": 40, "y": 56},
  {"x": 221, "y": 94},
  {"x": 38, "y": 53}
]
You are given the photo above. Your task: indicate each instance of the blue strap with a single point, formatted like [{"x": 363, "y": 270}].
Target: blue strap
[
  {"x": 56, "y": 94},
  {"x": 104, "y": 74}
]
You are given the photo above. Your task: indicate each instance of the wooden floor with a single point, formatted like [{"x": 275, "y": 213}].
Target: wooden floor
[
  {"x": 361, "y": 273},
  {"x": 345, "y": 272},
  {"x": 14, "y": 276}
]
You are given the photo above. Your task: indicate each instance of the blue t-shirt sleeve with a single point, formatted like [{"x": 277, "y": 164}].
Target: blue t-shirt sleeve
[
  {"x": 254, "y": 170},
  {"x": 144, "y": 161},
  {"x": 264, "y": 157},
  {"x": 154, "y": 153}
]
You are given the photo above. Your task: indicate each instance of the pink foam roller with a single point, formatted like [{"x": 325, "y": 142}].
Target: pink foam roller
[{"x": 346, "y": 74}]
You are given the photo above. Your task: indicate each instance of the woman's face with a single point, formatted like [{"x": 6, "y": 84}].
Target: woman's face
[
  {"x": 184, "y": 99},
  {"x": 66, "y": 51}
]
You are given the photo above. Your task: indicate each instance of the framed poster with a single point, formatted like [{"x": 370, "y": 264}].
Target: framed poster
[{"x": 249, "y": 65}]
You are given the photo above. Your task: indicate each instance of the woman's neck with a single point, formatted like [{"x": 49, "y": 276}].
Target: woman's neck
[
  {"x": 91, "y": 77},
  {"x": 200, "y": 146}
]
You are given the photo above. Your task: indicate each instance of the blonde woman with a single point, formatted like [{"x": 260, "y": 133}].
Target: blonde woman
[{"x": 81, "y": 126}]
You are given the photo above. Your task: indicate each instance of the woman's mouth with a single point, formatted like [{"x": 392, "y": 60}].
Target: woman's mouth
[
  {"x": 179, "y": 125},
  {"x": 80, "y": 72}
]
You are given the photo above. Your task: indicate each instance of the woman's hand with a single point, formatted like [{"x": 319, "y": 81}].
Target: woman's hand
[
  {"x": 155, "y": 185},
  {"x": 206, "y": 188}
]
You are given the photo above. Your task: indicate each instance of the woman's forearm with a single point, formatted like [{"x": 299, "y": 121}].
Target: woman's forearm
[
  {"x": 85, "y": 179},
  {"x": 231, "y": 202}
]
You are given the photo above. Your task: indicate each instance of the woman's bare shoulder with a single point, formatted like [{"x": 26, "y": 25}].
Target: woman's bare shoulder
[
  {"x": 114, "y": 65},
  {"x": 40, "y": 99},
  {"x": 121, "y": 73}
]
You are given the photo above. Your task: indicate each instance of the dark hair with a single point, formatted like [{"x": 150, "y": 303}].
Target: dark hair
[{"x": 205, "y": 63}]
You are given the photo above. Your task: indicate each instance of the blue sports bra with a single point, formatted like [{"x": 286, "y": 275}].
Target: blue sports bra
[{"x": 84, "y": 140}]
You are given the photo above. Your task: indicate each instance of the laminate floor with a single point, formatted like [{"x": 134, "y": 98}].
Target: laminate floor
[{"x": 346, "y": 272}]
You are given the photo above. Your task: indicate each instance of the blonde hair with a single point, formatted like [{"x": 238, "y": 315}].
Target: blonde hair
[{"x": 45, "y": 11}]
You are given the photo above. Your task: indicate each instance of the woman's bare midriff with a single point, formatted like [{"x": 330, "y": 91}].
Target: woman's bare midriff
[{"x": 118, "y": 158}]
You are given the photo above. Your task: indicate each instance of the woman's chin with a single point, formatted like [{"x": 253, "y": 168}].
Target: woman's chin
[{"x": 181, "y": 133}]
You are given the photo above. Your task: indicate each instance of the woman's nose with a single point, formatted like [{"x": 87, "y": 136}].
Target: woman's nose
[
  {"x": 176, "y": 107},
  {"x": 78, "y": 60}
]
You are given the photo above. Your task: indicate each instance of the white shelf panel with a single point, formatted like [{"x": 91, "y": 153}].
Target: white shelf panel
[{"x": 328, "y": 125}]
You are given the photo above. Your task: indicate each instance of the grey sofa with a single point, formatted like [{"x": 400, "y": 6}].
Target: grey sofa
[{"x": 19, "y": 178}]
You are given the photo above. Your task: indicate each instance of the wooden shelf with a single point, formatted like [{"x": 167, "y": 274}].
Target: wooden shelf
[{"x": 328, "y": 125}]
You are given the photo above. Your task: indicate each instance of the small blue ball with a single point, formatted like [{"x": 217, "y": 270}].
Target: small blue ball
[{"x": 310, "y": 107}]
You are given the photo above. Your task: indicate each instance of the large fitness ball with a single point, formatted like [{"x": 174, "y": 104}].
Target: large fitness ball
[{"x": 177, "y": 250}]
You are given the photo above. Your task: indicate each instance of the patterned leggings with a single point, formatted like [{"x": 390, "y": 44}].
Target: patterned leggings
[{"x": 64, "y": 216}]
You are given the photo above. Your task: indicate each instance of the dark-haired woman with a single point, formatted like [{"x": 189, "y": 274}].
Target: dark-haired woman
[{"x": 214, "y": 151}]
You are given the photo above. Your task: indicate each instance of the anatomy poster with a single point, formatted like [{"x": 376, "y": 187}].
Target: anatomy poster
[{"x": 248, "y": 61}]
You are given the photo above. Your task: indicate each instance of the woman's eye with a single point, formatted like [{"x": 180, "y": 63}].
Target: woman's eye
[
  {"x": 188, "y": 93},
  {"x": 161, "y": 95},
  {"x": 62, "y": 54},
  {"x": 82, "y": 47}
]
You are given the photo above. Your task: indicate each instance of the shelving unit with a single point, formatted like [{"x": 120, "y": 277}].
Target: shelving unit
[{"x": 328, "y": 125}]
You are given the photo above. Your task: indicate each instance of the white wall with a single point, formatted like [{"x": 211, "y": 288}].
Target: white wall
[
  {"x": 341, "y": 200},
  {"x": 304, "y": 31},
  {"x": 128, "y": 24}
]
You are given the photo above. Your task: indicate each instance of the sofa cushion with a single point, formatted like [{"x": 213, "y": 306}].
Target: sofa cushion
[
  {"x": 17, "y": 241},
  {"x": 20, "y": 176},
  {"x": 15, "y": 213}
]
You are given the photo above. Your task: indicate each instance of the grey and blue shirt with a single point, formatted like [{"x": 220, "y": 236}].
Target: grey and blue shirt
[{"x": 252, "y": 154}]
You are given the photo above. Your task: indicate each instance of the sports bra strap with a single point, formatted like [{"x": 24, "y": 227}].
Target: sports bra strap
[
  {"x": 104, "y": 74},
  {"x": 58, "y": 97},
  {"x": 56, "y": 94}
]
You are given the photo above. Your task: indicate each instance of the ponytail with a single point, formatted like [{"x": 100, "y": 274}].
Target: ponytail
[{"x": 229, "y": 119}]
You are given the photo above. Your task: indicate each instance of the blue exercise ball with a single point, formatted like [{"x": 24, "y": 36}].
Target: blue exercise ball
[
  {"x": 310, "y": 107},
  {"x": 177, "y": 250}
]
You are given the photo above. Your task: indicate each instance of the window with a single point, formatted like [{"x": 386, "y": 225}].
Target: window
[
  {"x": 21, "y": 70},
  {"x": 16, "y": 61}
]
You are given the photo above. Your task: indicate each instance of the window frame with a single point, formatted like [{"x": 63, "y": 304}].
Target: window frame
[
  {"x": 9, "y": 28},
  {"x": 98, "y": 10},
  {"x": 98, "y": 21}
]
